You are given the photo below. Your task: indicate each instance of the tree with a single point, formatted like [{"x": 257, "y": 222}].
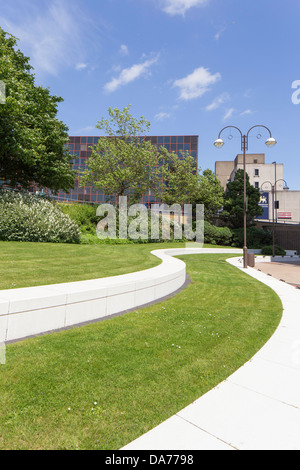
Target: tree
[
  {"x": 32, "y": 139},
  {"x": 233, "y": 212},
  {"x": 123, "y": 162},
  {"x": 180, "y": 177},
  {"x": 210, "y": 193}
]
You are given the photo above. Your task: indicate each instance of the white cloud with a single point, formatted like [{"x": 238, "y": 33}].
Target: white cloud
[
  {"x": 219, "y": 33},
  {"x": 217, "y": 102},
  {"x": 52, "y": 35},
  {"x": 196, "y": 84},
  {"x": 229, "y": 114},
  {"x": 179, "y": 7},
  {"x": 130, "y": 74},
  {"x": 124, "y": 50},
  {"x": 246, "y": 112},
  {"x": 162, "y": 116},
  {"x": 81, "y": 66}
]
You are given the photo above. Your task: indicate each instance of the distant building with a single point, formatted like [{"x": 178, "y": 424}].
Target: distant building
[
  {"x": 263, "y": 176},
  {"x": 258, "y": 170},
  {"x": 79, "y": 147}
]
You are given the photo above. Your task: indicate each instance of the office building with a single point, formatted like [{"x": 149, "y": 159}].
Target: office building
[{"x": 79, "y": 147}]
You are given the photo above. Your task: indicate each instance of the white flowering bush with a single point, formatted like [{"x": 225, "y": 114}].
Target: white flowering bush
[{"x": 28, "y": 218}]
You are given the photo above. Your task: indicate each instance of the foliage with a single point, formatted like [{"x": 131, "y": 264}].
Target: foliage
[
  {"x": 86, "y": 217},
  {"x": 268, "y": 251},
  {"x": 256, "y": 238},
  {"x": 181, "y": 179},
  {"x": 210, "y": 193},
  {"x": 233, "y": 213},
  {"x": 185, "y": 184},
  {"x": 25, "y": 217},
  {"x": 32, "y": 139},
  {"x": 217, "y": 235},
  {"x": 123, "y": 163}
]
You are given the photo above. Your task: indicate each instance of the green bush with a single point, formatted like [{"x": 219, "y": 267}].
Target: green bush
[
  {"x": 268, "y": 251},
  {"x": 214, "y": 235},
  {"x": 256, "y": 238},
  {"x": 28, "y": 218},
  {"x": 85, "y": 216}
]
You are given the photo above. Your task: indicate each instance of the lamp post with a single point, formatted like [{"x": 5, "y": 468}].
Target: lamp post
[
  {"x": 273, "y": 188},
  {"x": 275, "y": 196},
  {"x": 244, "y": 144}
]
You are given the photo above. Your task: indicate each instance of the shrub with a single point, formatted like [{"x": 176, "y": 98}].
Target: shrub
[
  {"x": 85, "y": 216},
  {"x": 28, "y": 218},
  {"x": 268, "y": 251},
  {"x": 256, "y": 238},
  {"x": 217, "y": 235}
]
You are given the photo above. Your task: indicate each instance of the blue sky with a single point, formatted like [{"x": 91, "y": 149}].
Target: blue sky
[{"x": 188, "y": 66}]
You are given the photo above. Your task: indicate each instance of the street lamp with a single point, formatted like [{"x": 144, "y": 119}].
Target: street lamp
[
  {"x": 273, "y": 206},
  {"x": 271, "y": 142},
  {"x": 219, "y": 143},
  {"x": 273, "y": 188}
]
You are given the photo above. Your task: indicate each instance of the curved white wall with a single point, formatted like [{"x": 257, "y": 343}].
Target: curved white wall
[{"x": 34, "y": 310}]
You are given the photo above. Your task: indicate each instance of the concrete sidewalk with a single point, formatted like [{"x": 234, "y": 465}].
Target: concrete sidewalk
[{"x": 256, "y": 408}]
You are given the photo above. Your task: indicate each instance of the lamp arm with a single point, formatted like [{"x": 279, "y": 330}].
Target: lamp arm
[
  {"x": 277, "y": 181},
  {"x": 265, "y": 183},
  {"x": 232, "y": 127},
  {"x": 259, "y": 126}
]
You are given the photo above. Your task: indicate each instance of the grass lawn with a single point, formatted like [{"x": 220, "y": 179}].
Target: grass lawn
[
  {"x": 34, "y": 264},
  {"x": 103, "y": 385}
]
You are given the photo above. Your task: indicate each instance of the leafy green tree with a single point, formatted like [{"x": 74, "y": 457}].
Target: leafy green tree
[
  {"x": 32, "y": 139},
  {"x": 180, "y": 177},
  {"x": 123, "y": 162},
  {"x": 233, "y": 212},
  {"x": 210, "y": 193}
]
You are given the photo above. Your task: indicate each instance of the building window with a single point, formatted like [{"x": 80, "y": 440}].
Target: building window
[
  {"x": 256, "y": 185},
  {"x": 256, "y": 172}
]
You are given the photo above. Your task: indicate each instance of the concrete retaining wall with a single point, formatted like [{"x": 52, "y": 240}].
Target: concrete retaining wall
[{"x": 34, "y": 310}]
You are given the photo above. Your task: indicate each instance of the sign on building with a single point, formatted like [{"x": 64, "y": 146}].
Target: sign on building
[{"x": 264, "y": 203}]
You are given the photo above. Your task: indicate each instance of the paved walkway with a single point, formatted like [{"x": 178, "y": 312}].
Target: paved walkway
[
  {"x": 256, "y": 408},
  {"x": 288, "y": 272}
]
